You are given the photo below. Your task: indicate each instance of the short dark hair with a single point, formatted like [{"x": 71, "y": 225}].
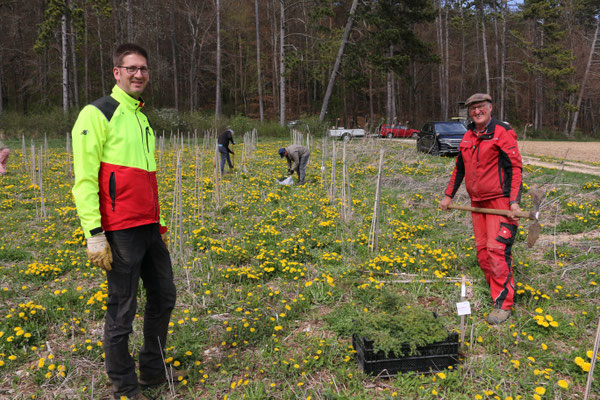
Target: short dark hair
[{"x": 125, "y": 49}]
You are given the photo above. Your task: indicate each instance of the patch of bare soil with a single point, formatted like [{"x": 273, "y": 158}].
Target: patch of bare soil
[{"x": 572, "y": 155}]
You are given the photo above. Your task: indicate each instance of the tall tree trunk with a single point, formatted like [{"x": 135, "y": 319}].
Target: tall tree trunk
[
  {"x": 539, "y": 91},
  {"x": 446, "y": 63},
  {"x": 389, "y": 94},
  {"x": 1, "y": 82},
  {"x": 584, "y": 80},
  {"x": 282, "y": 64},
  {"x": 174, "y": 55},
  {"x": 274, "y": 80},
  {"x": 440, "y": 69},
  {"x": 129, "y": 23},
  {"x": 461, "y": 94},
  {"x": 101, "y": 53},
  {"x": 258, "y": 68},
  {"x": 503, "y": 60},
  {"x": 371, "y": 111},
  {"x": 484, "y": 45},
  {"x": 338, "y": 61},
  {"x": 74, "y": 61},
  {"x": 86, "y": 77},
  {"x": 218, "y": 101},
  {"x": 65, "y": 66}
]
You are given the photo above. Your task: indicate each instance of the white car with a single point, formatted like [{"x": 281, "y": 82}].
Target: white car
[{"x": 346, "y": 134}]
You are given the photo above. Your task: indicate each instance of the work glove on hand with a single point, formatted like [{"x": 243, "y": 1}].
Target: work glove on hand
[
  {"x": 290, "y": 172},
  {"x": 165, "y": 238},
  {"x": 99, "y": 253}
]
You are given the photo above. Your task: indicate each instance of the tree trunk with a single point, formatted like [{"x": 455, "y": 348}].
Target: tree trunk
[
  {"x": 440, "y": 69},
  {"x": 74, "y": 60},
  {"x": 338, "y": 61},
  {"x": 274, "y": 80},
  {"x": 446, "y": 64},
  {"x": 484, "y": 45},
  {"x": 258, "y": 68},
  {"x": 282, "y": 64},
  {"x": 86, "y": 76},
  {"x": 1, "y": 82},
  {"x": 461, "y": 94},
  {"x": 101, "y": 53},
  {"x": 218, "y": 100},
  {"x": 503, "y": 60},
  {"x": 174, "y": 55},
  {"x": 584, "y": 80},
  {"x": 129, "y": 17},
  {"x": 65, "y": 67}
]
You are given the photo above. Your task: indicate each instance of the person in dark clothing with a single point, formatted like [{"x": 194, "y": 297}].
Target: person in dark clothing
[{"x": 223, "y": 141}]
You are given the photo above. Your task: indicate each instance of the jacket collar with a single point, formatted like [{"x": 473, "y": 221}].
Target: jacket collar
[
  {"x": 123, "y": 98},
  {"x": 490, "y": 129}
]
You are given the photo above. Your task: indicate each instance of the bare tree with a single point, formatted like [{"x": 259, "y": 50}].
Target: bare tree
[
  {"x": 584, "y": 79},
  {"x": 258, "y": 67},
  {"x": 338, "y": 61},
  {"x": 484, "y": 46},
  {"x": 218, "y": 101},
  {"x": 282, "y": 64},
  {"x": 174, "y": 55},
  {"x": 65, "y": 64}
]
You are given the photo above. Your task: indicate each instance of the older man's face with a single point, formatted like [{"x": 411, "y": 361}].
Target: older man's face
[{"x": 481, "y": 113}]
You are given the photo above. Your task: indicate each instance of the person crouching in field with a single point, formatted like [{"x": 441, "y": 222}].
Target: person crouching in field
[
  {"x": 297, "y": 157},
  {"x": 116, "y": 195},
  {"x": 4, "y": 152},
  {"x": 490, "y": 163}
]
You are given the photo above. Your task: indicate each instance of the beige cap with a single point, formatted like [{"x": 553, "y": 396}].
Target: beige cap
[{"x": 478, "y": 98}]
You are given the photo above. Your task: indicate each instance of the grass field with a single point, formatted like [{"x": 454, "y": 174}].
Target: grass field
[{"x": 270, "y": 276}]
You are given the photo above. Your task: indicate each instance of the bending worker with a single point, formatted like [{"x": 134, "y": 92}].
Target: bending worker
[
  {"x": 223, "y": 144},
  {"x": 297, "y": 157},
  {"x": 116, "y": 195},
  {"x": 490, "y": 163}
]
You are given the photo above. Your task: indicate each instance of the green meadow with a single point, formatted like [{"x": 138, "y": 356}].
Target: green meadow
[{"x": 273, "y": 280}]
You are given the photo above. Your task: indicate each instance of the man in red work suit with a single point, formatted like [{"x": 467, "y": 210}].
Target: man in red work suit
[{"x": 490, "y": 163}]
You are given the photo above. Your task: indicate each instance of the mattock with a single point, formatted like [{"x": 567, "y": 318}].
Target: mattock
[{"x": 534, "y": 229}]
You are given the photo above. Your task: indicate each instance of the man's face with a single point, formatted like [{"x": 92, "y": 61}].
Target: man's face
[
  {"x": 481, "y": 113},
  {"x": 132, "y": 84}
]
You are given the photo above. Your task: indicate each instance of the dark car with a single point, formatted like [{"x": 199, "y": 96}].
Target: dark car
[
  {"x": 397, "y": 131},
  {"x": 441, "y": 137}
]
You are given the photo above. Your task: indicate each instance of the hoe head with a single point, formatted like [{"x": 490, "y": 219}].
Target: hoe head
[{"x": 535, "y": 228}]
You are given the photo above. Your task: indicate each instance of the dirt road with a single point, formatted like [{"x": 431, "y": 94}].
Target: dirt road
[{"x": 569, "y": 155}]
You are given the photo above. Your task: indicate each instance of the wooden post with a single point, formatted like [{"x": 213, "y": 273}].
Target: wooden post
[
  {"x": 588, "y": 386},
  {"x": 463, "y": 294},
  {"x": 374, "y": 233}
]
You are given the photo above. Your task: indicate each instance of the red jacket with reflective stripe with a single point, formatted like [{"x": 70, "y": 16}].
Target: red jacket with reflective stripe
[{"x": 490, "y": 164}]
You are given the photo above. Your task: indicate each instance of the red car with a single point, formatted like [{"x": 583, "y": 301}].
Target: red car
[{"x": 396, "y": 131}]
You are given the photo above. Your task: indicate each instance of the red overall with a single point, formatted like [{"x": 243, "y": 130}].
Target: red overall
[{"x": 491, "y": 166}]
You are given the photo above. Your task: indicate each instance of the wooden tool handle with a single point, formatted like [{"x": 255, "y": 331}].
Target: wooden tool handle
[{"x": 520, "y": 214}]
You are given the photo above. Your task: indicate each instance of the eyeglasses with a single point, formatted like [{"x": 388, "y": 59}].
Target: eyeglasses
[
  {"x": 132, "y": 70},
  {"x": 478, "y": 107}
]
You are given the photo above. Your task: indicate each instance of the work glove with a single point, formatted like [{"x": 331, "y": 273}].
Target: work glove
[
  {"x": 99, "y": 253},
  {"x": 290, "y": 172},
  {"x": 165, "y": 238}
]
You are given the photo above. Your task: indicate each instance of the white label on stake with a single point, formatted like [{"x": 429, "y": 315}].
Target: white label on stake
[
  {"x": 464, "y": 308},
  {"x": 463, "y": 290}
]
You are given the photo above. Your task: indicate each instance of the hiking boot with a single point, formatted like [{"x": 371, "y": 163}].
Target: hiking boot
[
  {"x": 498, "y": 316},
  {"x": 175, "y": 376}
]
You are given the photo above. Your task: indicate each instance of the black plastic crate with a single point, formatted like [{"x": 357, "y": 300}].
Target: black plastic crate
[{"x": 433, "y": 357}]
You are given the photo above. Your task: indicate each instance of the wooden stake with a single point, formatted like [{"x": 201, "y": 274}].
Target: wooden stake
[
  {"x": 463, "y": 292},
  {"x": 588, "y": 386},
  {"x": 374, "y": 233}
]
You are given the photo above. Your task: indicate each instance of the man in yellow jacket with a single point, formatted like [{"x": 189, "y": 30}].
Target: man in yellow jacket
[{"x": 116, "y": 195}]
